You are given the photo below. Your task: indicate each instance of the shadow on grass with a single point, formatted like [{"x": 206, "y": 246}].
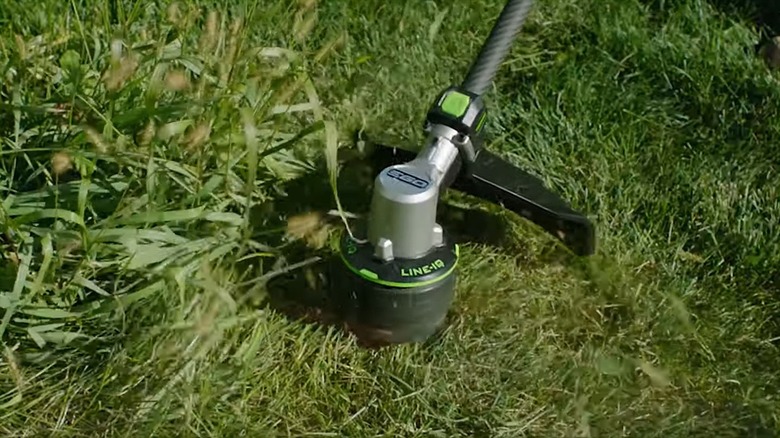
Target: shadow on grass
[
  {"x": 304, "y": 295},
  {"x": 764, "y": 14}
]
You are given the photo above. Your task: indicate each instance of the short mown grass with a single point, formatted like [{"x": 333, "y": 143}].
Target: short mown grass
[{"x": 158, "y": 159}]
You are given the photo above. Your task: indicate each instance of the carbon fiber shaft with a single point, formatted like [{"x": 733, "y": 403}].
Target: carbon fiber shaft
[{"x": 497, "y": 46}]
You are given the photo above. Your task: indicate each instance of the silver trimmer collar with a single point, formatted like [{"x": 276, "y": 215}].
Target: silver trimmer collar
[{"x": 402, "y": 223}]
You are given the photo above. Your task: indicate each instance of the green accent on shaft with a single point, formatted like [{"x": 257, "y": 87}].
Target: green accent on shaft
[
  {"x": 481, "y": 122},
  {"x": 455, "y": 104},
  {"x": 372, "y": 277}
]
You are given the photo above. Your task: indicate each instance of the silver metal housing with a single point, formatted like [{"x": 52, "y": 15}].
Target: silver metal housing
[{"x": 402, "y": 221}]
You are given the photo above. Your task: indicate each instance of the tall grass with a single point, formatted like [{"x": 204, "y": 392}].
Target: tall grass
[{"x": 134, "y": 159}]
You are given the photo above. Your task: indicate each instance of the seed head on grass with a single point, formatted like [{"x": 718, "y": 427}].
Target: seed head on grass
[
  {"x": 61, "y": 163},
  {"x": 210, "y": 37},
  {"x": 116, "y": 50},
  {"x": 173, "y": 13},
  {"x": 307, "y": 5},
  {"x": 120, "y": 72},
  {"x": 312, "y": 227},
  {"x": 12, "y": 364},
  {"x": 146, "y": 135},
  {"x": 659, "y": 377},
  {"x": 300, "y": 225},
  {"x": 177, "y": 80},
  {"x": 229, "y": 58},
  {"x": 333, "y": 45},
  {"x": 21, "y": 46},
  {"x": 304, "y": 24},
  {"x": 197, "y": 136},
  {"x": 96, "y": 138}
]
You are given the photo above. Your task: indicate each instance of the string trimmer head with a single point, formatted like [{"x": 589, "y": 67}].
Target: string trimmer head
[{"x": 395, "y": 280}]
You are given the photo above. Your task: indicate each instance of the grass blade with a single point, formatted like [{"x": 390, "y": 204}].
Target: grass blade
[
  {"x": 153, "y": 217},
  {"x": 16, "y": 294},
  {"x": 50, "y": 213}
]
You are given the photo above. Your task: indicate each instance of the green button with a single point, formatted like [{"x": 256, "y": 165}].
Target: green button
[{"x": 455, "y": 104}]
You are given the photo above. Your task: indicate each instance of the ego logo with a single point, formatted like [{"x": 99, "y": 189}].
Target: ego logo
[
  {"x": 407, "y": 178},
  {"x": 349, "y": 246}
]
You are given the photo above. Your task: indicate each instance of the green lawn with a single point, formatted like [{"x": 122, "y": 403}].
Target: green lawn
[{"x": 151, "y": 157}]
